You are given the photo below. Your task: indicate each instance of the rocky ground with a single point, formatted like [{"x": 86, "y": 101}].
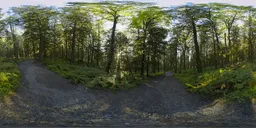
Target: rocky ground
[{"x": 47, "y": 99}]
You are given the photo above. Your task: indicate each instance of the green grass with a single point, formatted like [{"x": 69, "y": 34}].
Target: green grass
[
  {"x": 9, "y": 77},
  {"x": 92, "y": 77},
  {"x": 236, "y": 83}
]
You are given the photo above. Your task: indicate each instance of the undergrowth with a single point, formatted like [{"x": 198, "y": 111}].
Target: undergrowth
[
  {"x": 92, "y": 77},
  {"x": 236, "y": 83},
  {"x": 9, "y": 77}
]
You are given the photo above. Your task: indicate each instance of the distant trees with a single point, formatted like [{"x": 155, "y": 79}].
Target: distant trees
[
  {"x": 12, "y": 22},
  {"x": 145, "y": 22},
  {"x": 153, "y": 39},
  {"x": 35, "y": 20},
  {"x": 218, "y": 26},
  {"x": 76, "y": 22},
  {"x": 250, "y": 23}
]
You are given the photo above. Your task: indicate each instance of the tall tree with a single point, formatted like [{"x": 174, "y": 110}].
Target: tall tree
[{"x": 145, "y": 20}]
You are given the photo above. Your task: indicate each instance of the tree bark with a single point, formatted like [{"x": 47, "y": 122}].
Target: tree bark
[
  {"x": 15, "y": 43},
  {"x": 98, "y": 47},
  {"x": 72, "y": 60},
  {"x": 112, "y": 46},
  {"x": 118, "y": 69},
  {"x": 198, "y": 59},
  {"x": 184, "y": 56},
  {"x": 143, "y": 51},
  {"x": 175, "y": 55},
  {"x": 250, "y": 34},
  {"x": 41, "y": 47},
  {"x": 214, "y": 52},
  {"x": 66, "y": 48},
  {"x": 148, "y": 62}
]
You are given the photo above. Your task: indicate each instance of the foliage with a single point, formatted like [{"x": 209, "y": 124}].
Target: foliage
[
  {"x": 234, "y": 83},
  {"x": 9, "y": 77},
  {"x": 156, "y": 74},
  {"x": 91, "y": 77}
]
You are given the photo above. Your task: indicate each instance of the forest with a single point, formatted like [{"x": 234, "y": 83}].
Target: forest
[{"x": 210, "y": 48}]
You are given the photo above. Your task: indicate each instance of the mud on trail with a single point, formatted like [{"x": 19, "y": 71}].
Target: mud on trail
[{"x": 47, "y": 99}]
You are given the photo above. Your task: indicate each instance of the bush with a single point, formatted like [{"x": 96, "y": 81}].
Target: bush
[
  {"x": 90, "y": 76},
  {"x": 9, "y": 77},
  {"x": 237, "y": 83},
  {"x": 156, "y": 74}
]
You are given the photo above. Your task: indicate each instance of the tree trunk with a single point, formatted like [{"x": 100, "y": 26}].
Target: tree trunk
[
  {"x": 176, "y": 58},
  {"x": 98, "y": 47},
  {"x": 118, "y": 69},
  {"x": 88, "y": 55},
  {"x": 34, "y": 49},
  {"x": 92, "y": 50},
  {"x": 112, "y": 46},
  {"x": 184, "y": 56},
  {"x": 217, "y": 45},
  {"x": 82, "y": 53},
  {"x": 250, "y": 34},
  {"x": 143, "y": 51},
  {"x": 66, "y": 48},
  {"x": 154, "y": 60},
  {"x": 41, "y": 47},
  {"x": 72, "y": 60},
  {"x": 215, "y": 53},
  {"x": 15, "y": 43},
  {"x": 158, "y": 65},
  {"x": 198, "y": 59},
  {"x": 226, "y": 48},
  {"x": 180, "y": 63},
  {"x": 148, "y": 62},
  {"x": 229, "y": 38},
  {"x": 164, "y": 61},
  {"x": 78, "y": 51},
  {"x": 62, "y": 51}
]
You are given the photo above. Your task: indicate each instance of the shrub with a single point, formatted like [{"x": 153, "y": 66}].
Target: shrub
[
  {"x": 235, "y": 84},
  {"x": 91, "y": 77},
  {"x": 9, "y": 77}
]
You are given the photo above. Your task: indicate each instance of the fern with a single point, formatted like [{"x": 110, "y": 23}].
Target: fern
[
  {"x": 237, "y": 83},
  {"x": 9, "y": 77},
  {"x": 91, "y": 77}
]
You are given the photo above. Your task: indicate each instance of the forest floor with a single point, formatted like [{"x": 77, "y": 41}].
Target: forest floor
[{"x": 47, "y": 99}]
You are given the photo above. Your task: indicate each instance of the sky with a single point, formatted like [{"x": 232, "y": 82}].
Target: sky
[{"x": 11, "y": 3}]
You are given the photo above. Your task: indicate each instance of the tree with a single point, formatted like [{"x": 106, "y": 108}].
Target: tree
[
  {"x": 251, "y": 24},
  {"x": 76, "y": 21},
  {"x": 36, "y": 23},
  {"x": 145, "y": 20},
  {"x": 11, "y": 22},
  {"x": 111, "y": 11},
  {"x": 190, "y": 15}
]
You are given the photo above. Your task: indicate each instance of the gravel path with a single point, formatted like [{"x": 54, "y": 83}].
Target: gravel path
[{"x": 46, "y": 99}]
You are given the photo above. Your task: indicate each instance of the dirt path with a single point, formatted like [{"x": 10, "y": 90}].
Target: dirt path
[{"x": 48, "y": 99}]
